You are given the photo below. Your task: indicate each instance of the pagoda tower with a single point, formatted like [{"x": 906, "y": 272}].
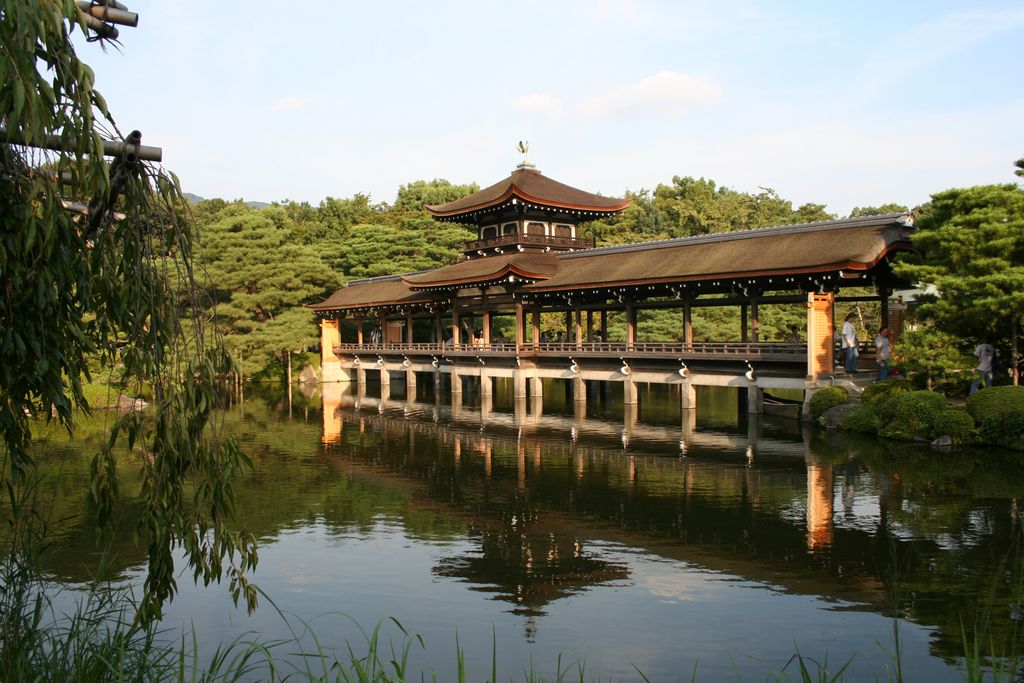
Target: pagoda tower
[{"x": 527, "y": 211}]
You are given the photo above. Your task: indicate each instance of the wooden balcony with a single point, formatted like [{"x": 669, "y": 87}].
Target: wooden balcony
[{"x": 533, "y": 241}]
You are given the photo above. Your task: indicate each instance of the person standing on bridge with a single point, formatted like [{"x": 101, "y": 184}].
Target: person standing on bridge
[{"x": 849, "y": 340}]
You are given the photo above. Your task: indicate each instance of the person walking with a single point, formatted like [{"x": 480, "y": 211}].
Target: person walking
[
  {"x": 985, "y": 353},
  {"x": 849, "y": 340},
  {"x": 883, "y": 351}
]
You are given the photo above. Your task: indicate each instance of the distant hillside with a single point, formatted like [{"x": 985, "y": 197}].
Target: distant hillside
[{"x": 195, "y": 199}]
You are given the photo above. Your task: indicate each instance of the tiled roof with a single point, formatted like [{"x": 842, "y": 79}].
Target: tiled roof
[
  {"x": 530, "y": 186},
  {"x": 829, "y": 246},
  {"x": 530, "y": 265}
]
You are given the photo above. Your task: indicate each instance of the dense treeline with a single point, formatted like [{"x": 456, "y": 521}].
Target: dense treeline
[{"x": 262, "y": 265}]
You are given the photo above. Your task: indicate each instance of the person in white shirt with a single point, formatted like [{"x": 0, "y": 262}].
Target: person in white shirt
[
  {"x": 849, "y": 341},
  {"x": 985, "y": 353}
]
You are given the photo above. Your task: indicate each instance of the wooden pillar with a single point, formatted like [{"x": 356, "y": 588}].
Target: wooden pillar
[
  {"x": 568, "y": 326},
  {"x": 755, "y": 322},
  {"x": 630, "y": 327},
  {"x": 359, "y": 331},
  {"x": 408, "y": 328},
  {"x": 535, "y": 317},
  {"x": 604, "y": 325},
  {"x": 578, "y": 329},
  {"x": 743, "y": 323},
  {"x": 438, "y": 329},
  {"x": 820, "y": 340},
  {"x": 487, "y": 328},
  {"x": 590, "y": 326},
  {"x": 687, "y": 321},
  {"x": 519, "y": 325},
  {"x": 455, "y": 328},
  {"x": 883, "y": 299}
]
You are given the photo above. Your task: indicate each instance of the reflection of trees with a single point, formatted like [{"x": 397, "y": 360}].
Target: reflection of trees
[
  {"x": 531, "y": 568},
  {"x": 941, "y": 545}
]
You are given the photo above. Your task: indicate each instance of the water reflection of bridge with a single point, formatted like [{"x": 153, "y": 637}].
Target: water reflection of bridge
[{"x": 632, "y": 483}]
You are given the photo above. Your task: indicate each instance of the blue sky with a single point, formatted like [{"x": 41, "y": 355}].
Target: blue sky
[{"x": 847, "y": 104}]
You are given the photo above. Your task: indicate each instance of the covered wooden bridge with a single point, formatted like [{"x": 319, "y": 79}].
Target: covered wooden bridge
[{"x": 481, "y": 318}]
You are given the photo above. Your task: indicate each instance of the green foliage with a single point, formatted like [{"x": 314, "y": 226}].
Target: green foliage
[
  {"x": 826, "y": 398},
  {"x": 859, "y": 211},
  {"x": 955, "y": 423},
  {"x": 936, "y": 354},
  {"x": 81, "y": 289},
  {"x": 864, "y": 420},
  {"x": 259, "y": 276},
  {"x": 387, "y": 248},
  {"x": 999, "y": 412},
  {"x": 418, "y": 194},
  {"x": 971, "y": 244},
  {"x": 690, "y": 206},
  {"x": 881, "y": 391},
  {"x": 909, "y": 415}
]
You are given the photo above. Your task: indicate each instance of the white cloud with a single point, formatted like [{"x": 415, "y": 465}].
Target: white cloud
[
  {"x": 666, "y": 93},
  {"x": 538, "y": 103},
  {"x": 292, "y": 102}
]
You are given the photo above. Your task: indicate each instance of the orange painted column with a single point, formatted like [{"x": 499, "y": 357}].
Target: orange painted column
[
  {"x": 330, "y": 364},
  {"x": 820, "y": 334}
]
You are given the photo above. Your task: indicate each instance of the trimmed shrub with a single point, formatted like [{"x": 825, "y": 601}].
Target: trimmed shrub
[
  {"x": 955, "y": 423},
  {"x": 910, "y": 414},
  {"x": 865, "y": 420},
  {"x": 826, "y": 398},
  {"x": 880, "y": 391},
  {"x": 999, "y": 412}
]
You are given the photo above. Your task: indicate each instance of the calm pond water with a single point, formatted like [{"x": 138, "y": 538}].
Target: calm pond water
[{"x": 650, "y": 538}]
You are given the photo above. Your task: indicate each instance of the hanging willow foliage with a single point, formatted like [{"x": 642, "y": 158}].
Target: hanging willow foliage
[{"x": 113, "y": 285}]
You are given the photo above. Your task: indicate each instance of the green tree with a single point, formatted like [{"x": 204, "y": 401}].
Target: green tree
[
  {"x": 87, "y": 284},
  {"x": 971, "y": 250},
  {"x": 259, "y": 277},
  {"x": 859, "y": 211},
  {"x": 417, "y": 194}
]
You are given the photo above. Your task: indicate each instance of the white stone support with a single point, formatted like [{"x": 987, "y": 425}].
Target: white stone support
[
  {"x": 519, "y": 384},
  {"x": 629, "y": 392},
  {"x": 485, "y": 382},
  {"x": 579, "y": 389},
  {"x": 385, "y": 384},
  {"x": 536, "y": 387},
  {"x": 755, "y": 399},
  {"x": 688, "y": 396}
]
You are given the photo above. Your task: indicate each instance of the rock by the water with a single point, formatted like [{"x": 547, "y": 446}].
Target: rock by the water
[
  {"x": 308, "y": 375},
  {"x": 127, "y": 403},
  {"x": 835, "y": 415},
  {"x": 942, "y": 442}
]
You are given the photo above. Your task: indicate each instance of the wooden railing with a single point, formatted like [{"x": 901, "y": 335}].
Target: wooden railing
[{"x": 706, "y": 350}]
